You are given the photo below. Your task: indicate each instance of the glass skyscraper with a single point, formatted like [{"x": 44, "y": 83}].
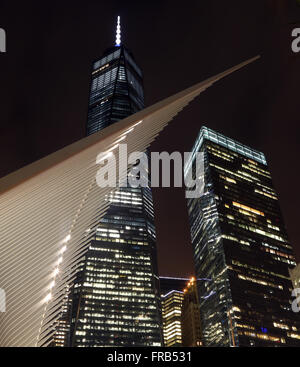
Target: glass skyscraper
[
  {"x": 241, "y": 244},
  {"x": 115, "y": 300},
  {"x": 116, "y": 89}
]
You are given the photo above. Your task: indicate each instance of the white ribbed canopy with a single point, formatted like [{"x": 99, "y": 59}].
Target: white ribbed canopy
[{"x": 46, "y": 209}]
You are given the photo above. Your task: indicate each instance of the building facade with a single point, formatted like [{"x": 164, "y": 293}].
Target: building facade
[
  {"x": 116, "y": 89},
  {"x": 190, "y": 316},
  {"x": 171, "y": 315},
  {"x": 241, "y": 244},
  {"x": 115, "y": 299}
]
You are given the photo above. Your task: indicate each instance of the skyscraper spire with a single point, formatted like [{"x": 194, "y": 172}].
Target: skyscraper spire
[{"x": 118, "y": 33}]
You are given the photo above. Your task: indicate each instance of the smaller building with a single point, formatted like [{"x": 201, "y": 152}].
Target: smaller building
[
  {"x": 190, "y": 316},
  {"x": 171, "y": 315}
]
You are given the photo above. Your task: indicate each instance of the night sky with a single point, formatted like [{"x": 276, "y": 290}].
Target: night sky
[{"x": 45, "y": 76}]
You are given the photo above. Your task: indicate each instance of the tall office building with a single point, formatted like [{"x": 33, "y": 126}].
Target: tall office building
[
  {"x": 190, "y": 316},
  {"x": 240, "y": 242},
  {"x": 115, "y": 300},
  {"x": 116, "y": 88},
  {"x": 171, "y": 315}
]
